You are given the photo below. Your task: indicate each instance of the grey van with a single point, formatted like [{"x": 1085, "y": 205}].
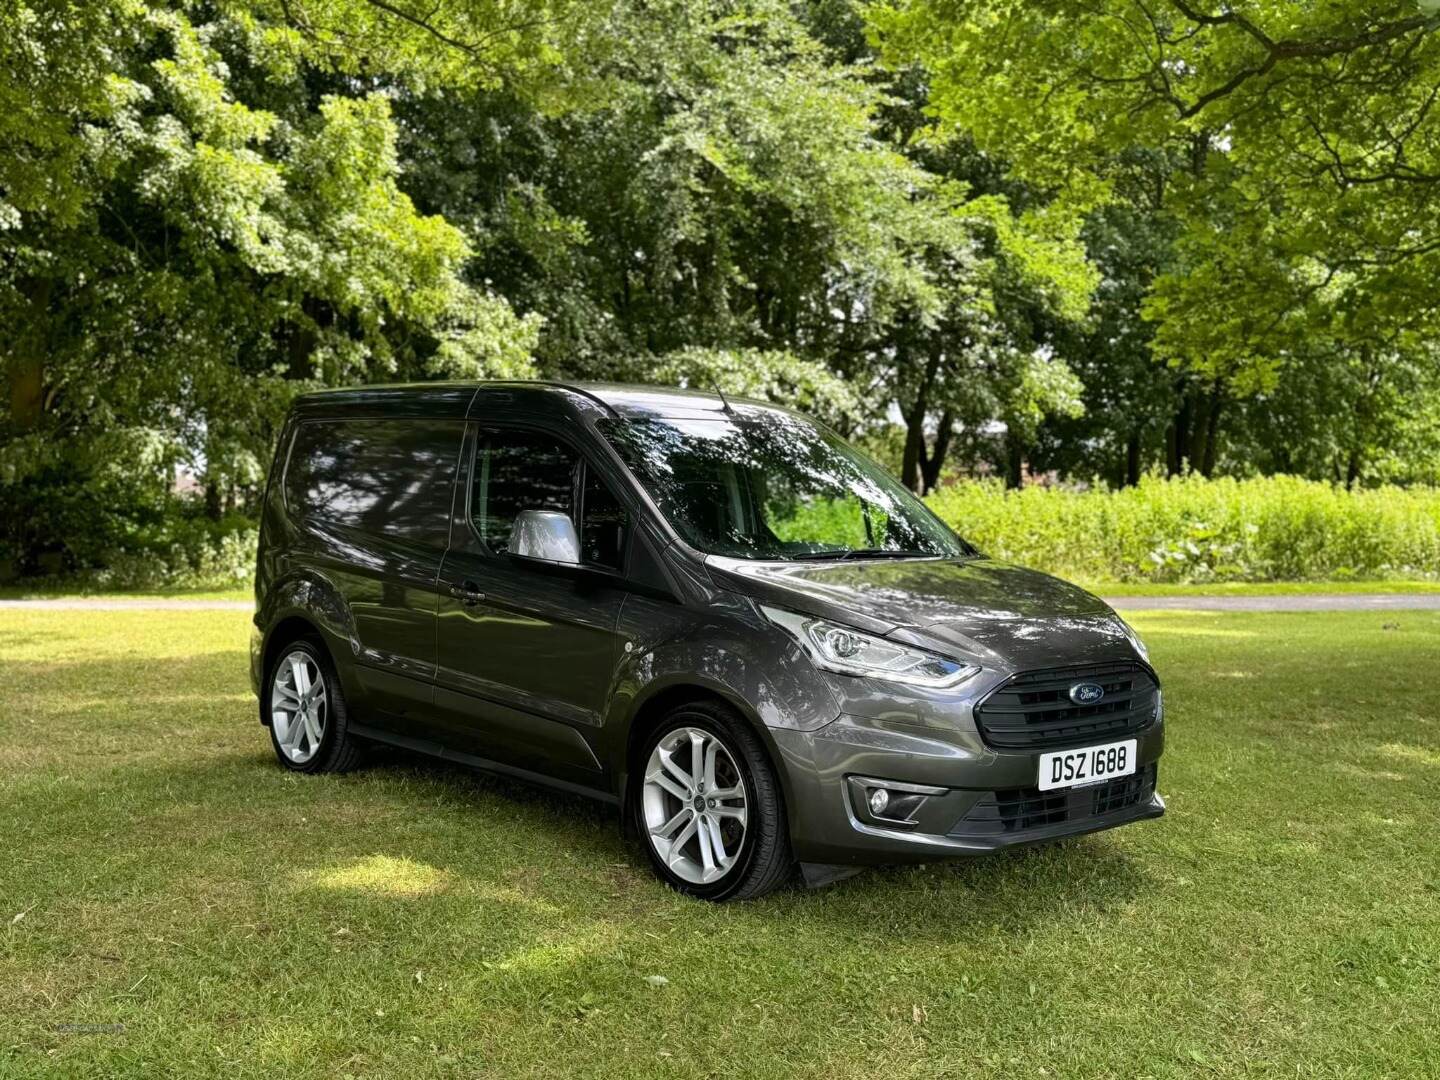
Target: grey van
[{"x": 711, "y": 613}]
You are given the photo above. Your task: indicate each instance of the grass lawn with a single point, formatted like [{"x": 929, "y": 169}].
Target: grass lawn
[{"x": 176, "y": 904}]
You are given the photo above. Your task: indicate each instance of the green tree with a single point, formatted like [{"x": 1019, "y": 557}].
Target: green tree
[
  {"x": 1305, "y": 151},
  {"x": 739, "y": 183},
  {"x": 194, "y": 226}
]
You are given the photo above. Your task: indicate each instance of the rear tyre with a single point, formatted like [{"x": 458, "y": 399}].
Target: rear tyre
[
  {"x": 309, "y": 723},
  {"x": 708, "y": 807}
]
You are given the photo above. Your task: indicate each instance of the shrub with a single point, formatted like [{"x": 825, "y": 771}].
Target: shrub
[
  {"x": 1190, "y": 529},
  {"x": 190, "y": 552},
  {"x": 101, "y": 513}
]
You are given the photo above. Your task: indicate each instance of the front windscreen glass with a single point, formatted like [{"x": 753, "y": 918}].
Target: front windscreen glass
[{"x": 768, "y": 485}]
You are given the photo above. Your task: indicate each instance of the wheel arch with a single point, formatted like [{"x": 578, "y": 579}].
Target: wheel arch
[
  {"x": 650, "y": 709},
  {"x": 305, "y": 602}
]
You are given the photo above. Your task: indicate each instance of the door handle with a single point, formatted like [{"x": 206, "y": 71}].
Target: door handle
[{"x": 468, "y": 593}]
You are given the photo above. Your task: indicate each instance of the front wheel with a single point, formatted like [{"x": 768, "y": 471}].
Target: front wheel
[{"x": 709, "y": 809}]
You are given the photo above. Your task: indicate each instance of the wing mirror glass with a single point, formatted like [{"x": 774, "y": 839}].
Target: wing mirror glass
[{"x": 548, "y": 535}]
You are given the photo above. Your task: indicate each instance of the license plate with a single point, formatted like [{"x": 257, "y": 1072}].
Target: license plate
[{"x": 1088, "y": 765}]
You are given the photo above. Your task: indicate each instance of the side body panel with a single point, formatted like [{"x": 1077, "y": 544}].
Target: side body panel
[
  {"x": 369, "y": 590},
  {"x": 526, "y": 652}
]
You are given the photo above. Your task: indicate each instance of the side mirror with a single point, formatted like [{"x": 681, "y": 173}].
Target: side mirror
[{"x": 545, "y": 534}]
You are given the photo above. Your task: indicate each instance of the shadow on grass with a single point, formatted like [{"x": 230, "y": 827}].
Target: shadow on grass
[
  {"x": 410, "y": 831},
  {"x": 492, "y": 860},
  {"x": 1011, "y": 888}
]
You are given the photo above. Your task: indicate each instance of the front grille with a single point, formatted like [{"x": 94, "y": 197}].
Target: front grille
[
  {"x": 1033, "y": 711},
  {"x": 1018, "y": 809}
]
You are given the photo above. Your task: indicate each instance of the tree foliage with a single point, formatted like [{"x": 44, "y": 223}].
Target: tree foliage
[
  {"x": 1294, "y": 148},
  {"x": 181, "y": 252},
  {"x": 1090, "y": 238}
]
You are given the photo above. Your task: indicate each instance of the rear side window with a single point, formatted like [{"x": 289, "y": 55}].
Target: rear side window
[
  {"x": 529, "y": 470},
  {"x": 386, "y": 477}
]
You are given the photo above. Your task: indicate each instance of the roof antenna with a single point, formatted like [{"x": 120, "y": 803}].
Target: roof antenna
[{"x": 724, "y": 401}]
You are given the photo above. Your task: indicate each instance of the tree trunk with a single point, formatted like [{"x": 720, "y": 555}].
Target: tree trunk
[
  {"x": 1191, "y": 441},
  {"x": 1132, "y": 459},
  {"x": 1212, "y": 433},
  {"x": 1199, "y": 430},
  {"x": 27, "y": 363},
  {"x": 1352, "y": 468},
  {"x": 1179, "y": 436},
  {"x": 914, "y": 447},
  {"x": 1014, "y": 462},
  {"x": 27, "y": 389},
  {"x": 214, "y": 504},
  {"x": 930, "y": 466},
  {"x": 914, "y": 462}
]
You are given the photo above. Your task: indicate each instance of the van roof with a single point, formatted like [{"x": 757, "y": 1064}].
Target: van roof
[{"x": 458, "y": 398}]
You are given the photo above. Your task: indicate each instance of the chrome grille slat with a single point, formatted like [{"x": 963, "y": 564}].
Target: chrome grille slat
[{"x": 1033, "y": 711}]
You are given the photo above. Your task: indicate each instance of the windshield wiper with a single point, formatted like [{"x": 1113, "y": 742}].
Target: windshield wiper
[{"x": 861, "y": 553}]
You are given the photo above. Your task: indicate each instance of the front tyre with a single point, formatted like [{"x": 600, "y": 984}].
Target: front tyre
[
  {"x": 709, "y": 809},
  {"x": 309, "y": 724}
]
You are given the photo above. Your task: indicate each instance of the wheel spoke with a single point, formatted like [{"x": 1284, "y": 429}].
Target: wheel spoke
[
  {"x": 660, "y": 780},
  {"x": 665, "y": 831},
  {"x": 717, "y": 842},
  {"x": 697, "y": 757},
  {"x": 289, "y": 734},
  {"x": 676, "y": 770},
  {"x": 312, "y": 729},
  {"x": 673, "y": 856},
  {"x": 712, "y": 754},
  {"x": 702, "y": 837},
  {"x": 299, "y": 670},
  {"x": 737, "y": 813},
  {"x": 736, "y": 792}
]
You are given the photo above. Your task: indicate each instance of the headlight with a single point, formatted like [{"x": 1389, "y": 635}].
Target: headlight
[
  {"x": 1134, "y": 639},
  {"x": 849, "y": 652}
]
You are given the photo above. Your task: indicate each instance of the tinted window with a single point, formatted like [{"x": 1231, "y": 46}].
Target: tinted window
[
  {"x": 528, "y": 470},
  {"x": 390, "y": 477}
]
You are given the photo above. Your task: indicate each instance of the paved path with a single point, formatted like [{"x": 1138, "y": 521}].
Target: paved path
[
  {"x": 124, "y": 603},
  {"x": 1312, "y": 602},
  {"x": 1297, "y": 602}
]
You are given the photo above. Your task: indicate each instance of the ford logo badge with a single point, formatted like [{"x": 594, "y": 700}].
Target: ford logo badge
[{"x": 1086, "y": 693}]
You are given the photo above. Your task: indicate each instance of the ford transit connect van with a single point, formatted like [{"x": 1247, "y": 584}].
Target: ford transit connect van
[{"x": 713, "y": 614}]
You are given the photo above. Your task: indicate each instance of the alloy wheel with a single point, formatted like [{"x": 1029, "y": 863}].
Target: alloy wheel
[
  {"x": 694, "y": 805},
  {"x": 299, "y": 708}
]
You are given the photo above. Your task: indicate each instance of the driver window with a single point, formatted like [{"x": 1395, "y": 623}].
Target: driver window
[
  {"x": 519, "y": 470},
  {"x": 529, "y": 470}
]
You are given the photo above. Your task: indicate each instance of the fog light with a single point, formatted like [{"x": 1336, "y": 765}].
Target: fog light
[{"x": 895, "y": 804}]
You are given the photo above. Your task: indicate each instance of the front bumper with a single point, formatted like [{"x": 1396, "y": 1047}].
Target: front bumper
[{"x": 979, "y": 799}]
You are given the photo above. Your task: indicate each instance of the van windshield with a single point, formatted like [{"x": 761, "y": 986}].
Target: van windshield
[{"x": 769, "y": 485}]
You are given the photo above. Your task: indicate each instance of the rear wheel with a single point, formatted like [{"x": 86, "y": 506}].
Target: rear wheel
[
  {"x": 309, "y": 724},
  {"x": 709, "y": 808}
]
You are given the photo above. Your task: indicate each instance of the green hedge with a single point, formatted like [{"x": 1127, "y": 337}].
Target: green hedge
[{"x": 1195, "y": 530}]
